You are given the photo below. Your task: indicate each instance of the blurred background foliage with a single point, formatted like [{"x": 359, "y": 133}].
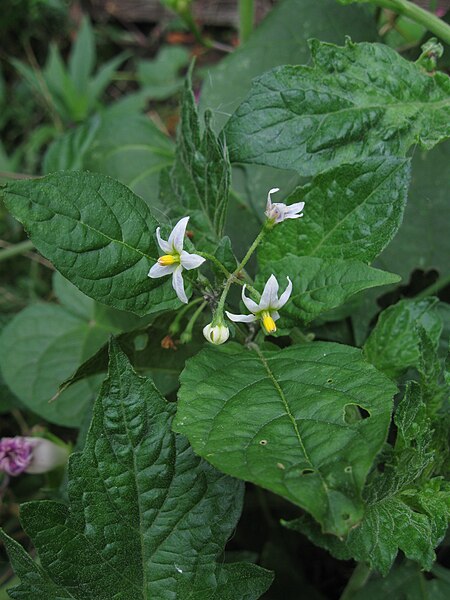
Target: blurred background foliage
[{"x": 95, "y": 85}]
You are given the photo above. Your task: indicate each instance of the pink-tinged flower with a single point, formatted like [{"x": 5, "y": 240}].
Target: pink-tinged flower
[
  {"x": 277, "y": 212},
  {"x": 30, "y": 455}
]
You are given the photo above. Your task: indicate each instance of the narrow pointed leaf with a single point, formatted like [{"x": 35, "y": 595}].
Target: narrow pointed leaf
[
  {"x": 288, "y": 420},
  {"x": 97, "y": 233},
  {"x": 355, "y": 101},
  {"x": 146, "y": 518}
]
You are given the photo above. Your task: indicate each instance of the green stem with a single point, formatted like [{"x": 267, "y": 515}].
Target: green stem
[
  {"x": 216, "y": 261},
  {"x": 174, "y": 327},
  {"x": 419, "y": 15},
  {"x": 435, "y": 287},
  {"x": 357, "y": 581},
  {"x": 250, "y": 251},
  {"x": 17, "y": 249},
  {"x": 186, "y": 336},
  {"x": 246, "y": 18}
]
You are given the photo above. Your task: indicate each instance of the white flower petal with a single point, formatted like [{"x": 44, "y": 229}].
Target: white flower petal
[
  {"x": 275, "y": 315},
  {"x": 269, "y": 199},
  {"x": 294, "y": 209},
  {"x": 165, "y": 246},
  {"x": 191, "y": 261},
  {"x": 249, "y": 303},
  {"x": 176, "y": 238},
  {"x": 178, "y": 284},
  {"x": 159, "y": 270},
  {"x": 285, "y": 295},
  {"x": 269, "y": 297},
  {"x": 241, "y": 318}
]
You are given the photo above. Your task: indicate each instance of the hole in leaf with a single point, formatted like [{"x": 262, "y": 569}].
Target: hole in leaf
[
  {"x": 353, "y": 413},
  {"x": 329, "y": 381},
  {"x": 348, "y": 469},
  {"x": 345, "y": 516},
  {"x": 307, "y": 471},
  {"x": 263, "y": 442}
]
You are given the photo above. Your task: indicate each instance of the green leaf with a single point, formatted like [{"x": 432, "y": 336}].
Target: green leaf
[
  {"x": 68, "y": 152},
  {"x": 199, "y": 181},
  {"x": 137, "y": 493},
  {"x": 280, "y": 39},
  {"x": 320, "y": 285},
  {"x": 355, "y": 101},
  {"x": 290, "y": 420},
  {"x": 129, "y": 147},
  {"x": 82, "y": 57},
  {"x": 407, "y": 509},
  {"x": 98, "y": 234},
  {"x": 423, "y": 240},
  {"x": 405, "y": 582},
  {"x": 352, "y": 211},
  {"x": 393, "y": 345},
  {"x": 40, "y": 347},
  {"x": 160, "y": 77}
]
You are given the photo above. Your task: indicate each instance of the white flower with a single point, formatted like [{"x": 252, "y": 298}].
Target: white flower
[
  {"x": 216, "y": 334},
  {"x": 176, "y": 259},
  {"x": 278, "y": 212},
  {"x": 267, "y": 309}
]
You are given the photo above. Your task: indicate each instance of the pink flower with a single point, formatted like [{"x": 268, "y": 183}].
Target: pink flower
[{"x": 30, "y": 455}]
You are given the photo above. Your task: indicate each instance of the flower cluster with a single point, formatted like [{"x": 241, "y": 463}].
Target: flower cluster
[{"x": 175, "y": 259}]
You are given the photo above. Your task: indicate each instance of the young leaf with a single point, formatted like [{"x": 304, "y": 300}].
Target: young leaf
[
  {"x": 200, "y": 178},
  {"x": 146, "y": 517},
  {"x": 393, "y": 345},
  {"x": 82, "y": 57},
  {"x": 352, "y": 211},
  {"x": 160, "y": 77},
  {"x": 320, "y": 285},
  {"x": 97, "y": 233},
  {"x": 355, "y": 101},
  {"x": 291, "y": 421}
]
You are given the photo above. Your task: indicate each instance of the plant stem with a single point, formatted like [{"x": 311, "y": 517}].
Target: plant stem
[
  {"x": 419, "y": 15},
  {"x": 250, "y": 251},
  {"x": 16, "y": 249},
  {"x": 174, "y": 327},
  {"x": 186, "y": 336},
  {"x": 246, "y": 17},
  {"x": 216, "y": 261},
  {"x": 357, "y": 581},
  {"x": 435, "y": 287}
]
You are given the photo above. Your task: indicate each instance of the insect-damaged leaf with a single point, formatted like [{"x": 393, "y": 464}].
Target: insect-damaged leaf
[{"x": 305, "y": 422}]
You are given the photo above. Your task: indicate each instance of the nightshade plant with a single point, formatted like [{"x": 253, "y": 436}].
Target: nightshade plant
[{"x": 157, "y": 490}]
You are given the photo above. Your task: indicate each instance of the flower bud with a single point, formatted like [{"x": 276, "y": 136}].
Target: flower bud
[
  {"x": 216, "y": 334},
  {"x": 30, "y": 455}
]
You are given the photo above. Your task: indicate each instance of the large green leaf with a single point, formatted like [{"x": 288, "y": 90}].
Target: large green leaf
[
  {"x": 291, "y": 420},
  {"x": 407, "y": 509},
  {"x": 120, "y": 142},
  {"x": 97, "y": 233},
  {"x": 281, "y": 39},
  {"x": 198, "y": 183},
  {"x": 352, "y": 211},
  {"x": 423, "y": 241},
  {"x": 394, "y": 344},
  {"x": 39, "y": 348},
  {"x": 320, "y": 285},
  {"x": 146, "y": 517},
  {"x": 355, "y": 101}
]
